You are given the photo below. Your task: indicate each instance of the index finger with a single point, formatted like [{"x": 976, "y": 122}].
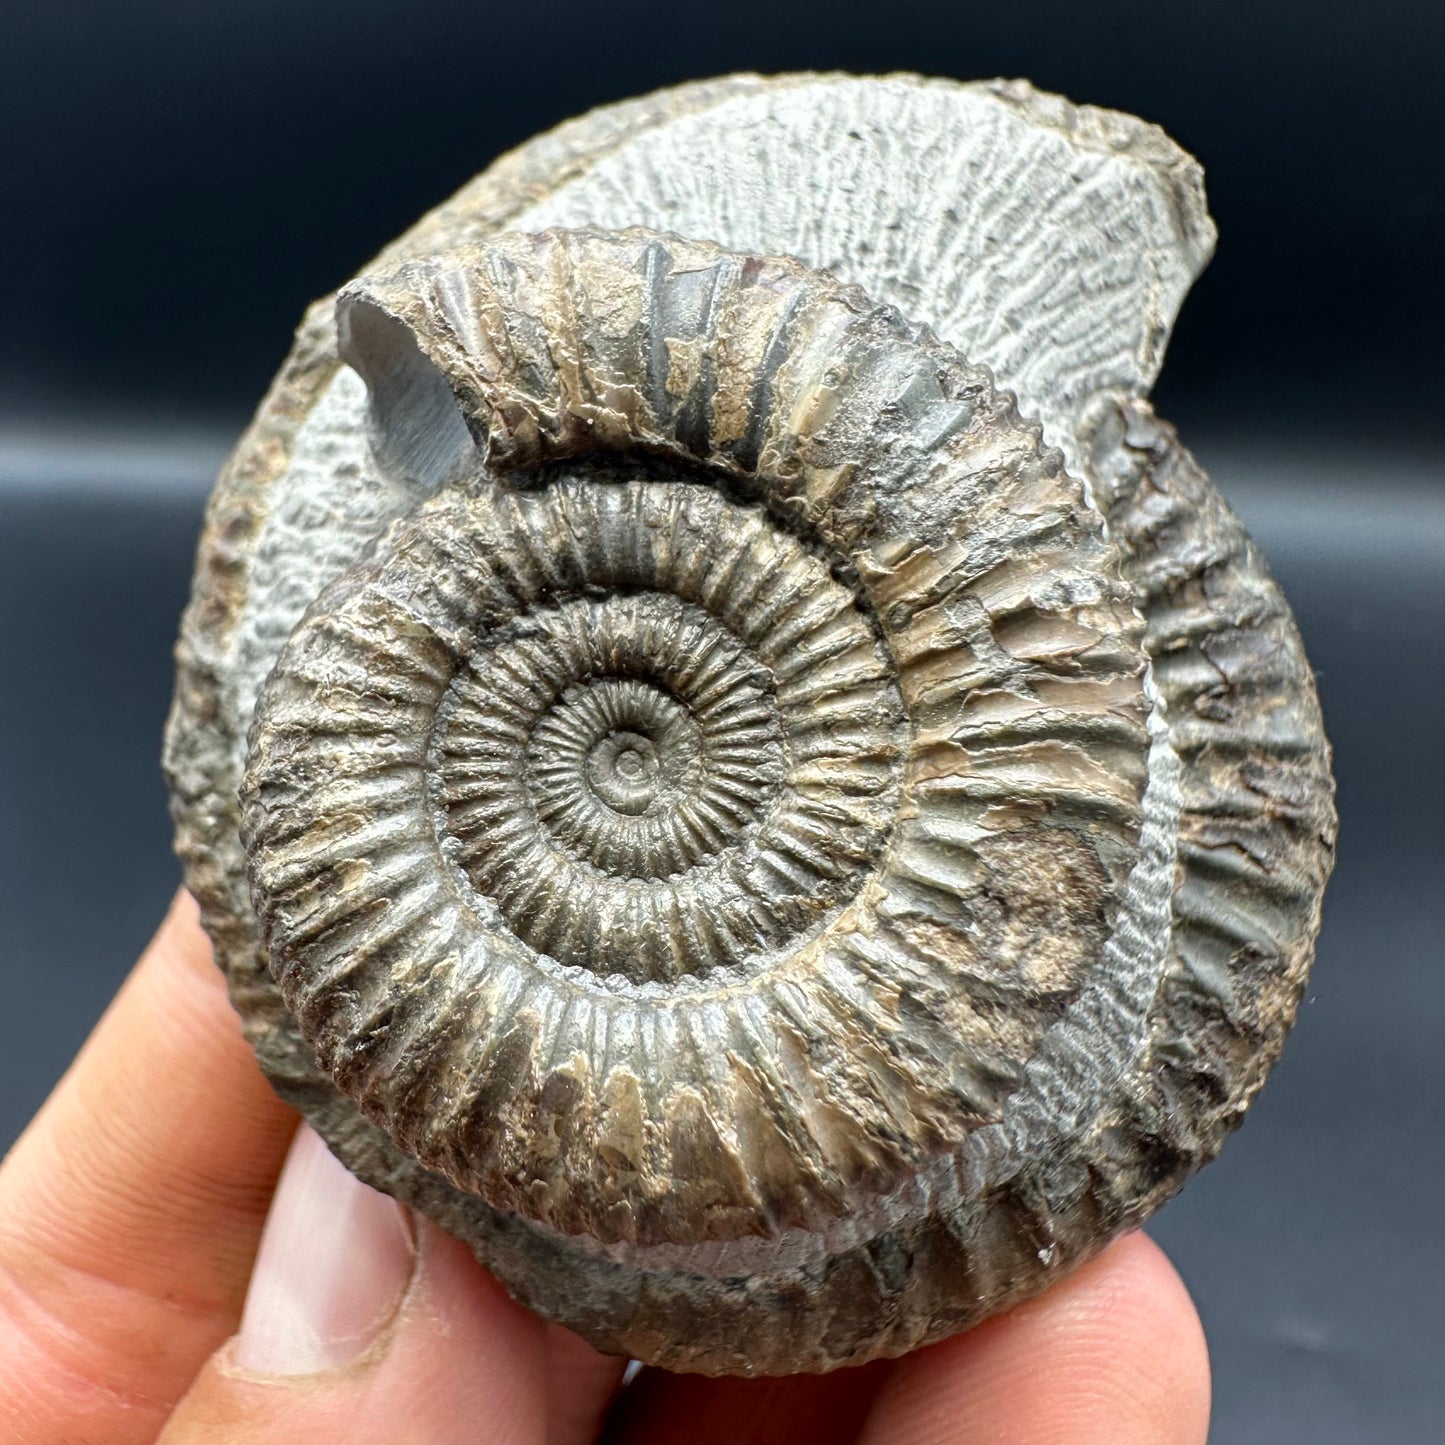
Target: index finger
[{"x": 131, "y": 1208}]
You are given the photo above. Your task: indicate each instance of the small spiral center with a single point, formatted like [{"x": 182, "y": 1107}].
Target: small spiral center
[
  {"x": 618, "y": 768},
  {"x": 623, "y": 770}
]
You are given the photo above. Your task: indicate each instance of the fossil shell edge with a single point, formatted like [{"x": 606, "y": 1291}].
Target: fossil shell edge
[{"x": 1253, "y": 804}]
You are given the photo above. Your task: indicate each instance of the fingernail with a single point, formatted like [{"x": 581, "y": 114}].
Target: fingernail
[{"x": 334, "y": 1262}]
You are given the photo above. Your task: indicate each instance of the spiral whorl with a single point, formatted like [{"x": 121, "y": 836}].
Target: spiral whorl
[
  {"x": 602, "y": 766},
  {"x": 663, "y": 782},
  {"x": 687, "y": 788}
]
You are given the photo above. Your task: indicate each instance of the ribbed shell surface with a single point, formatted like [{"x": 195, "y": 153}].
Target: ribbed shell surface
[{"x": 730, "y": 826}]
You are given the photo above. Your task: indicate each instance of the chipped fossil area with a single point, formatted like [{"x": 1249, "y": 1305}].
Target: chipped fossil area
[{"x": 727, "y": 755}]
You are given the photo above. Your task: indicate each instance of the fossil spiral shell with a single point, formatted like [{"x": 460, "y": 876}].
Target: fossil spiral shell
[{"x": 780, "y": 852}]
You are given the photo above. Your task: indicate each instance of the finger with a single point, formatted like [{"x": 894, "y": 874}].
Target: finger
[
  {"x": 1112, "y": 1355},
  {"x": 580, "y": 1389},
  {"x": 131, "y": 1207},
  {"x": 360, "y": 1327},
  {"x": 663, "y": 1409}
]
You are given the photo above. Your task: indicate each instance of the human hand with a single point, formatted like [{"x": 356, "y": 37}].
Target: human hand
[{"x": 136, "y": 1308}]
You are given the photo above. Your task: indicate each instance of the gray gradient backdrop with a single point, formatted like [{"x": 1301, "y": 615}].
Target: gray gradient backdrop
[{"x": 177, "y": 181}]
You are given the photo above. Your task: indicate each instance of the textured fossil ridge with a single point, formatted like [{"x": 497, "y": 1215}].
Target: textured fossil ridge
[{"x": 782, "y": 846}]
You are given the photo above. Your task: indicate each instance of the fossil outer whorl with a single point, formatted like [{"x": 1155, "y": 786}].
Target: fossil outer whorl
[
  {"x": 676, "y": 870},
  {"x": 736, "y": 831}
]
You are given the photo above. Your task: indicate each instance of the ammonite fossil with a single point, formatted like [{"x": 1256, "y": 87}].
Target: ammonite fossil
[{"x": 727, "y": 755}]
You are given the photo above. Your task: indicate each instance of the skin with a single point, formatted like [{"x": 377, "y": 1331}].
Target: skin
[{"x": 130, "y": 1216}]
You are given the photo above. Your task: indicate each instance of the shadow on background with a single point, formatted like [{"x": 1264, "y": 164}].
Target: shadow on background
[{"x": 180, "y": 180}]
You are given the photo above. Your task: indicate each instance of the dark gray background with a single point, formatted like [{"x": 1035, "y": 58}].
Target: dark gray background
[{"x": 177, "y": 180}]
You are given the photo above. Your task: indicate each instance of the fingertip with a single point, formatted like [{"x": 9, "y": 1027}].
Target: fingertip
[
  {"x": 456, "y": 1356},
  {"x": 184, "y": 912},
  {"x": 182, "y": 937},
  {"x": 584, "y": 1382},
  {"x": 1132, "y": 1349},
  {"x": 1114, "y": 1354},
  {"x": 334, "y": 1262}
]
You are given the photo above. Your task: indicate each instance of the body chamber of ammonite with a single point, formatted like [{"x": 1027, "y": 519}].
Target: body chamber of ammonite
[{"x": 727, "y": 755}]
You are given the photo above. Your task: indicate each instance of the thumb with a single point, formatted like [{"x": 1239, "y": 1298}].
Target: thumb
[{"x": 365, "y": 1324}]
